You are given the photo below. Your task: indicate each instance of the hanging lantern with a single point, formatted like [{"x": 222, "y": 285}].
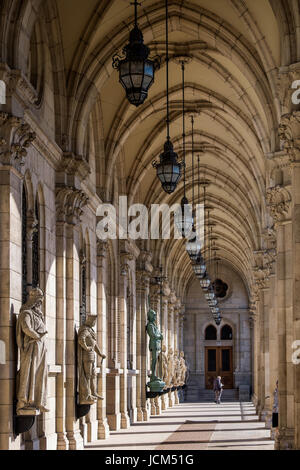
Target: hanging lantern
[
  {"x": 184, "y": 218},
  {"x": 210, "y": 295},
  {"x": 200, "y": 270},
  {"x": 215, "y": 310},
  {"x": 168, "y": 169},
  {"x": 212, "y": 302},
  {"x": 136, "y": 70},
  {"x": 193, "y": 246},
  {"x": 205, "y": 283},
  {"x": 218, "y": 321}
]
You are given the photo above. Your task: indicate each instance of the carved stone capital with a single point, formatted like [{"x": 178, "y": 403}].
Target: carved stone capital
[
  {"x": 74, "y": 165},
  {"x": 15, "y": 138},
  {"x": 279, "y": 203},
  {"x": 69, "y": 204},
  {"x": 102, "y": 248},
  {"x": 289, "y": 133}
]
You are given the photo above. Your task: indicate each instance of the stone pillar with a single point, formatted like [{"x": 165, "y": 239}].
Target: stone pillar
[
  {"x": 122, "y": 307},
  {"x": 15, "y": 138},
  {"x": 279, "y": 202},
  {"x": 103, "y": 428},
  {"x": 70, "y": 203},
  {"x": 62, "y": 441}
]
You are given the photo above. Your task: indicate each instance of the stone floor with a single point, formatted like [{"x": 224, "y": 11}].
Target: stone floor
[{"x": 194, "y": 426}]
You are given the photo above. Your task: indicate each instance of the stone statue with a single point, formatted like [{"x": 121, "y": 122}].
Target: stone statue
[
  {"x": 87, "y": 350},
  {"x": 33, "y": 373},
  {"x": 183, "y": 369},
  {"x": 164, "y": 359},
  {"x": 155, "y": 384},
  {"x": 176, "y": 368},
  {"x": 170, "y": 368}
]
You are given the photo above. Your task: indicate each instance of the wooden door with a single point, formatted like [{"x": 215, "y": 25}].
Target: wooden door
[{"x": 218, "y": 361}]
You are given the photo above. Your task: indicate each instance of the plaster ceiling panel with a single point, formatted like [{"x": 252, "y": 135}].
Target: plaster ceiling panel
[
  {"x": 265, "y": 18},
  {"x": 74, "y": 16}
]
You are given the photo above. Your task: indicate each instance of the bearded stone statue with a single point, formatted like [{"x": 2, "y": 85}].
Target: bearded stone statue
[{"x": 32, "y": 376}]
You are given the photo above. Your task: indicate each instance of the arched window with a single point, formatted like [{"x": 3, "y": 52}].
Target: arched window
[
  {"x": 82, "y": 286},
  {"x": 24, "y": 245},
  {"x": 36, "y": 248},
  {"x": 210, "y": 333},
  {"x": 226, "y": 332}
]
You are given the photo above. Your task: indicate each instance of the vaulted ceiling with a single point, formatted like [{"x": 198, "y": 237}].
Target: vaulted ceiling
[{"x": 234, "y": 49}]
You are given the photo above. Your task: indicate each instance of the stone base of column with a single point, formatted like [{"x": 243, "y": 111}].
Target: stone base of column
[
  {"x": 157, "y": 402},
  {"x": 146, "y": 414},
  {"x": 285, "y": 439},
  {"x": 139, "y": 414},
  {"x": 114, "y": 421},
  {"x": 75, "y": 440},
  {"x": 153, "y": 407},
  {"x": 125, "y": 421},
  {"x": 164, "y": 402},
  {"x": 176, "y": 397},
  {"x": 48, "y": 442},
  {"x": 62, "y": 441},
  {"x": 133, "y": 415},
  {"x": 92, "y": 431},
  {"x": 103, "y": 429},
  {"x": 171, "y": 397},
  {"x": 265, "y": 415}
]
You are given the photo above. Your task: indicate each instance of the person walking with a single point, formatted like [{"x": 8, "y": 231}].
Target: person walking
[{"x": 218, "y": 388}]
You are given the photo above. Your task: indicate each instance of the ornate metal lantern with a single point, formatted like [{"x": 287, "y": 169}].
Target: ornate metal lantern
[
  {"x": 213, "y": 302},
  {"x": 218, "y": 321},
  {"x": 168, "y": 169},
  {"x": 199, "y": 269},
  {"x": 205, "y": 283},
  {"x": 136, "y": 70},
  {"x": 193, "y": 247},
  {"x": 184, "y": 218},
  {"x": 215, "y": 310}
]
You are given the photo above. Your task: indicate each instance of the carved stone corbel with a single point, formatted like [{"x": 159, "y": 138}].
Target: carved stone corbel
[
  {"x": 15, "y": 138},
  {"x": 279, "y": 203},
  {"x": 69, "y": 204}
]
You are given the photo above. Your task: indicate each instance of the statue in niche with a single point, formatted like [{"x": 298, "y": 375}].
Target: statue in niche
[
  {"x": 155, "y": 384},
  {"x": 164, "y": 359},
  {"x": 87, "y": 350},
  {"x": 183, "y": 369},
  {"x": 32, "y": 376},
  {"x": 170, "y": 368},
  {"x": 176, "y": 368}
]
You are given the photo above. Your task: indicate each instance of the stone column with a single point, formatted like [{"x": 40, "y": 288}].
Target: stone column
[
  {"x": 103, "y": 428},
  {"x": 279, "y": 201},
  {"x": 70, "y": 203},
  {"x": 122, "y": 307},
  {"x": 15, "y": 138}
]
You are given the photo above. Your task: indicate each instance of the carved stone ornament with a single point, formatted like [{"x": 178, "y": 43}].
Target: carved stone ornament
[
  {"x": 279, "y": 202},
  {"x": 289, "y": 133},
  {"x": 87, "y": 350},
  {"x": 164, "y": 361},
  {"x": 32, "y": 376},
  {"x": 170, "y": 368},
  {"x": 15, "y": 138},
  {"x": 69, "y": 204}
]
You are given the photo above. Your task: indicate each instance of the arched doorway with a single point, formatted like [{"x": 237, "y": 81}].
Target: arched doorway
[{"x": 219, "y": 355}]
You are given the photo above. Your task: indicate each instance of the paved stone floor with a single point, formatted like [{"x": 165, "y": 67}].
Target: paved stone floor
[{"x": 194, "y": 426}]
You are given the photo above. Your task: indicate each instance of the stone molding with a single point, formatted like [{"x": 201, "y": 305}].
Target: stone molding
[
  {"x": 17, "y": 83},
  {"x": 74, "y": 165}
]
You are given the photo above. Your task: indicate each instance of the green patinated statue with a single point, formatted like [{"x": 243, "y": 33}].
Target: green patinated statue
[{"x": 155, "y": 384}]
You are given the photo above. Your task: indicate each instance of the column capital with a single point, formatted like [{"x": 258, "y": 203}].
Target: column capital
[
  {"x": 69, "y": 204},
  {"x": 16, "y": 137},
  {"x": 279, "y": 203},
  {"x": 289, "y": 134}
]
